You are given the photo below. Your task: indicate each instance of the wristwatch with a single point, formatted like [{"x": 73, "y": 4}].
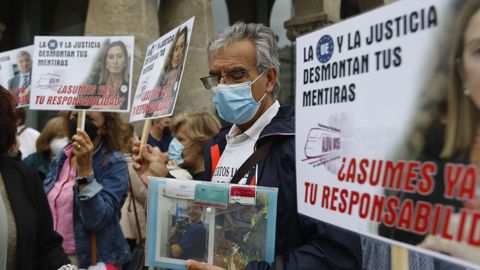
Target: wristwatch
[{"x": 84, "y": 180}]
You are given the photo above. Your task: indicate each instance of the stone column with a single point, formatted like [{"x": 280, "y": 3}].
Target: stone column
[
  {"x": 125, "y": 18},
  {"x": 370, "y": 4},
  {"x": 309, "y": 15},
  {"x": 192, "y": 95}
]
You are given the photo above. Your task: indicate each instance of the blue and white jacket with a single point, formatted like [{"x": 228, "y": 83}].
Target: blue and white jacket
[{"x": 97, "y": 207}]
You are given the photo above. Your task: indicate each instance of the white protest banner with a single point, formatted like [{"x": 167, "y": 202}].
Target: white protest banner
[
  {"x": 16, "y": 73},
  {"x": 161, "y": 75},
  {"x": 82, "y": 73},
  {"x": 385, "y": 136}
]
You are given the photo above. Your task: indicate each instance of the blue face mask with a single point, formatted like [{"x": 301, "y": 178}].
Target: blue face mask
[
  {"x": 175, "y": 150},
  {"x": 235, "y": 103}
]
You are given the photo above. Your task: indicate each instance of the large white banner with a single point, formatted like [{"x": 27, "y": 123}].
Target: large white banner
[
  {"x": 161, "y": 75},
  {"x": 16, "y": 73},
  {"x": 82, "y": 73},
  {"x": 375, "y": 96}
]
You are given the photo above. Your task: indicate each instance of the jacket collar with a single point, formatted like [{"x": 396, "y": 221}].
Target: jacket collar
[{"x": 282, "y": 124}]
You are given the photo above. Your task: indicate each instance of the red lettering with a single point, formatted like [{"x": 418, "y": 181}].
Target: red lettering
[
  {"x": 474, "y": 236},
  {"x": 364, "y": 205},
  {"x": 461, "y": 225},
  {"x": 467, "y": 189},
  {"x": 334, "y": 199},
  {"x": 102, "y": 90},
  {"x": 427, "y": 183},
  {"x": 353, "y": 201},
  {"x": 405, "y": 215},
  {"x": 325, "y": 197},
  {"x": 377, "y": 208},
  {"x": 362, "y": 176},
  {"x": 446, "y": 220},
  {"x": 343, "y": 200},
  {"x": 307, "y": 185},
  {"x": 375, "y": 178},
  {"x": 422, "y": 215},
  {"x": 390, "y": 217},
  {"x": 313, "y": 193},
  {"x": 351, "y": 172},
  {"x": 436, "y": 219},
  {"x": 411, "y": 175},
  {"x": 452, "y": 176},
  {"x": 393, "y": 174}
]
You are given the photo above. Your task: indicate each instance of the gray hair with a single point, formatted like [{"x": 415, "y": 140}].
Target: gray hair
[
  {"x": 265, "y": 43},
  {"x": 23, "y": 53}
]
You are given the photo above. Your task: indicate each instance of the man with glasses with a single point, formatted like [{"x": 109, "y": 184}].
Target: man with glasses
[{"x": 243, "y": 76}]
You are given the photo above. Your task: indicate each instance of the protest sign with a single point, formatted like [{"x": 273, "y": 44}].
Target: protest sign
[
  {"x": 186, "y": 221},
  {"x": 161, "y": 75},
  {"x": 16, "y": 74},
  {"x": 82, "y": 73},
  {"x": 383, "y": 146}
]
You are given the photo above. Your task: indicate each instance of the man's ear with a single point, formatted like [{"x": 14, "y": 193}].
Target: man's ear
[{"x": 272, "y": 76}]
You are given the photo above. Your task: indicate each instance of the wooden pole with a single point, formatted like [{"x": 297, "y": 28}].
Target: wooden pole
[
  {"x": 145, "y": 132},
  {"x": 399, "y": 258},
  {"x": 81, "y": 120}
]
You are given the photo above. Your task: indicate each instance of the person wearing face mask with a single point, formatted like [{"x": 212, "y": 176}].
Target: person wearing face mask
[
  {"x": 86, "y": 188},
  {"x": 186, "y": 158},
  {"x": 243, "y": 75},
  {"x": 51, "y": 140},
  {"x": 191, "y": 131}
]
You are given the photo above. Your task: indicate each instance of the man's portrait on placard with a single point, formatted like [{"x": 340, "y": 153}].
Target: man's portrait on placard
[{"x": 19, "y": 85}]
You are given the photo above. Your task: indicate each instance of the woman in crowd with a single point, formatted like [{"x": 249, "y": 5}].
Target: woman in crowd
[
  {"x": 27, "y": 238},
  {"x": 51, "y": 140},
  {"x": 86, "y": 188},
  {"x": 462, "y": 136},
  {"x": 191, "y": 132}
]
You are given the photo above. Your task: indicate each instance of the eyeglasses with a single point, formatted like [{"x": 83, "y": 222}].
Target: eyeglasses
[{"x": 231, "y": 77}]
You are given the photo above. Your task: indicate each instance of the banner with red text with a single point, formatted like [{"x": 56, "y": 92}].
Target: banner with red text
[
  {"x": 387, "y": 113},
  {"x": 159, "y": 82},
  {"x": 82, "y": 73},
  {"x": 16, "y": 73}
]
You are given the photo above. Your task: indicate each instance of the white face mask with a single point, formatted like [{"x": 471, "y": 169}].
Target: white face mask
[{"x": 57, "y": 144}]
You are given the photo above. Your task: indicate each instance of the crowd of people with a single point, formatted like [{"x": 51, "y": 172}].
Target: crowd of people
[
  {"x": 86, "y": 174},
  {"x": 80, "y": 185}
]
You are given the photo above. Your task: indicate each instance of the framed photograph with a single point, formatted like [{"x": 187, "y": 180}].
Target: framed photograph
[{"x": 220, "y": 224}]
